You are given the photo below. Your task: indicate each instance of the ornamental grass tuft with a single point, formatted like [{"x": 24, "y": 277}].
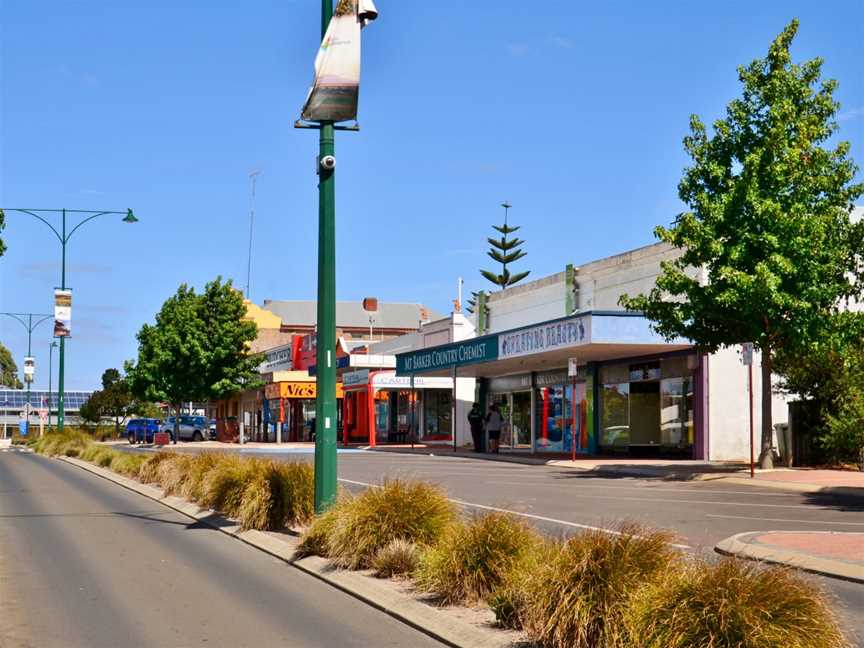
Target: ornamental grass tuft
[
  {"x": 733, "y": 603},
  {"x": 316, "y": 539},
  {"x": 396, "y": 510},
  {"x": 68, "y": 444},
  {"x": 193, "y": 486},
  {"x": 578, "y": 598},
  {"x": 474, "y": 558},
  {"x": 127, "y": 463},
  {"x": 224, "y": 485},
  {"x": 173, "y": 473},
  {"x": 149, "y": 472},
  {"x": 399, "y": 558}
]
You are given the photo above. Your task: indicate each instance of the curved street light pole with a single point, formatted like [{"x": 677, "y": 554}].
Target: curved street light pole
[
  {"x": 51, "y": 348},
  {"x": 30, "y": 326},
  {"x": 64, "y": 237}
]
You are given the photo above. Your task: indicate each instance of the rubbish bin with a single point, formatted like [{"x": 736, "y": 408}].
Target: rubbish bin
[{"x": 784, "y": 443}]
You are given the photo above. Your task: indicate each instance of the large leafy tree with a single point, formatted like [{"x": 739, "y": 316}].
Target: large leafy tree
[
  {"x": 197, "y": 350},
  {"x": 8, "y": 369},
  {"x": 769, "y": 220},
  {"x": 505, "y": 251}
]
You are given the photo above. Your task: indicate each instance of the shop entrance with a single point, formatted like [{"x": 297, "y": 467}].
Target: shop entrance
[{"x": 515, "y": 408}]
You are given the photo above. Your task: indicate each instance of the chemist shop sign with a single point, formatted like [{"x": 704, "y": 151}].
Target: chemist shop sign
[
  {"x": 551, "y": 336},
  {"x": 448, "y": 356}
]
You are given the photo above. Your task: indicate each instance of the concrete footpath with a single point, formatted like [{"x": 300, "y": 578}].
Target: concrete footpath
[
  {"x": 838, "y": 555},
  {"x": 444, "y": 624}
]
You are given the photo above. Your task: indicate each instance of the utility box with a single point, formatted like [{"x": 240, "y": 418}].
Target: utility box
[{"x": 161, "y": 438}]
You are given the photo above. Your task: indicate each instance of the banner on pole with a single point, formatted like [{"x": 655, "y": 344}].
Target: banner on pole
[
  {"x": 334, "y": 92},
  {"x": 29, "y": 369},
  {"x": 62, "y": 313}
]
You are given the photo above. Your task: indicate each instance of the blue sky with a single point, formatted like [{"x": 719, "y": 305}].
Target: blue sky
[{"x": 574, "y": 113}]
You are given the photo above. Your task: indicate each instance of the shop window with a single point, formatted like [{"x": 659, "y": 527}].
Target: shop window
[
  {"x": 675, "y": 367},
  {"x": 437, "y": 414},
  {"x": 676, "y": 413},
  {"x": 553, "y": 413},
  {"x": 644, "y": 371},
  {"x": 615, "y": 415}
]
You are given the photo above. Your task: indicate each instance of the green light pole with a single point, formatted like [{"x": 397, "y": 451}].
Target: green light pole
[
  {"x": 64, "y": 237},
  {"x": 325, "y": 402},
  {"x": 50, "y": 358},
  {"x": 30, "y": 326}
]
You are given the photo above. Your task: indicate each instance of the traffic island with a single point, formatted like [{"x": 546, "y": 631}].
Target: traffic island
[{"x": 829, "y": 553}]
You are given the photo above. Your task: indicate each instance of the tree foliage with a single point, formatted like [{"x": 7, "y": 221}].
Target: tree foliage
[
  {"x": 770, "y": 221},
  {"x": 505, "y": 251},
  {"x": 830, "y": 375},
  {"x": 8, "y": 369},
  {"x": 198, "y": 348}
]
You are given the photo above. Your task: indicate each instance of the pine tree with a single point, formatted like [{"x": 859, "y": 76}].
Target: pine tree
[{"x": 505, "y": 251}]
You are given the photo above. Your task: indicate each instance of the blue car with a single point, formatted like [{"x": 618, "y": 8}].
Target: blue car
[{"x": 142, "y": 430}]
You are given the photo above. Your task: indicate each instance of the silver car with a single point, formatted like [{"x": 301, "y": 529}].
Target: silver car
[{"x": 192, "y": 428}]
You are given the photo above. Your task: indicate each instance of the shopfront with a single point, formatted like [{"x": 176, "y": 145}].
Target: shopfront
[
  {"x": 632, "y": 391},
  {"x": 381, "y": 407},
  {"x": 289, "y": 408}
]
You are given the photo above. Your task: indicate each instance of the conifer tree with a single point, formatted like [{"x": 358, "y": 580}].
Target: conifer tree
[{"x": 505, "y": 251}]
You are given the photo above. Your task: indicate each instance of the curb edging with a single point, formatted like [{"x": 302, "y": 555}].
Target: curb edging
[
  {"x": 738, "y": 546},
  {"x": 448, "y": 630}
]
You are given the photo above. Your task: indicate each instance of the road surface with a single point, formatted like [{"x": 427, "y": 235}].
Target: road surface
[{"x": 85, "y": 563}]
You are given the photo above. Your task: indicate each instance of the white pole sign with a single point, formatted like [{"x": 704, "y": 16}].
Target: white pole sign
[
  {"x": 573, "y": 367},
  {"x": 747, "y": 353}
]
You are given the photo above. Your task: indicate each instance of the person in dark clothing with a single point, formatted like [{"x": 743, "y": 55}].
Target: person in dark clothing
[
  {"x": 475, "y": 421},
  {"x": 494, "y": 423}
]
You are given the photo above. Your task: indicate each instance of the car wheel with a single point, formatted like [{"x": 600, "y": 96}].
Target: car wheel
[
  {"x": 131, "y": 439},
  {"x": 197, "y": 436}
]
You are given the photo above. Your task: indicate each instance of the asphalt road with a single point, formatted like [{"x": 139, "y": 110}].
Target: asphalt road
[
  {"x": 86, "y": 563},
  {"x": 562, "y": 501}
]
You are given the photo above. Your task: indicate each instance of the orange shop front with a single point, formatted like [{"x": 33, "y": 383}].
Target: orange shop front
[
  {"x": 290, "y": 408},
  {"x": 380, "y": 407}
]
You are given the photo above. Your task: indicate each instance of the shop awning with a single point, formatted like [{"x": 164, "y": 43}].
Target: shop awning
[{"x": 590, "y": 337}]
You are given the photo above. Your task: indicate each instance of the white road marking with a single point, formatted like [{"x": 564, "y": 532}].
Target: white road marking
[
  {"x": 761, "y": 519},
  {"x": 541, "y": 518},
  {"x": 808, "y": 507},
  {"x": 653, "y": 489}
]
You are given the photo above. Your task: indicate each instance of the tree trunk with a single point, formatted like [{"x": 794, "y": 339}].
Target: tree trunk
[
  {"x": 766, "y": 458},
  {"x": 177, "y": 408}
]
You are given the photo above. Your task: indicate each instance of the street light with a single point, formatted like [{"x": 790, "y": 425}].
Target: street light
[
  {"x": 30, "y": 326},
  {"x": 63, "y": 237},
  {"x": 50, "y": 353}
]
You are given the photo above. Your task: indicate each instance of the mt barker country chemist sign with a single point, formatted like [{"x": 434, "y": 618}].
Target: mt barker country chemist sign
[
  {"x": 448, "y": 355},
  {"x": 561, "y": 334}
]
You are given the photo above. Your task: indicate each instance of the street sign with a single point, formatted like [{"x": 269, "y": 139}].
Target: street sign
[
  {"x": 572, "y": 367},
  {"x": 747, "y": 353}
]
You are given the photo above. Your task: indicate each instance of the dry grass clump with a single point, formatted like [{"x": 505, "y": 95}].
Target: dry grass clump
[
  {"x": 68, "y": 444},
  {"x": 223, "y": 487},
  {"x": 733, "y": 603},
  {"x": 173, "y": 472},
  {"x": 126, "y": 463},
  {"x": 316, "y": 538},
  {"x": 399, "y": 558},
  {"x": 474, "y": 559},
  {"x": 193, "y": 485},
  {"x": 149, "y": 472},
  {"x": 298, "y": 492},
  {"x": 397, "y": 510},
  {"x": 579, "y": 598},
  {"x": 100, "y": 455}
]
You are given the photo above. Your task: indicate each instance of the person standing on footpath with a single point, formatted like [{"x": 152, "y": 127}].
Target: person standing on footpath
[
  {"x": 475, "y": 422},
  {"x": 494, "y": 421}
]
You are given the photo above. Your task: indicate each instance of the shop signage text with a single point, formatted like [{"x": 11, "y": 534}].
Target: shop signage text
[
  {"x": 447, "y": 356},
  {"x": 296, "y": 390},
  {"x": 545, "y": 337}
]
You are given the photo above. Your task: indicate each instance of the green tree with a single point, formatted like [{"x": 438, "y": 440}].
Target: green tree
[
  {"x": 505, "y": 251},
  {"x": 830, "y": 375},
  {"x": 197, "y": 350},
  {"x": 8, "y": 369},
  {"x": 116, "y": 399},
  {"x": 769, "y": 224},
  {"x": 91, "y": 409}
]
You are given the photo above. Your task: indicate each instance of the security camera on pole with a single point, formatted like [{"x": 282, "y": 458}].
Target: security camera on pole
[{"x": 332, "y": 99}]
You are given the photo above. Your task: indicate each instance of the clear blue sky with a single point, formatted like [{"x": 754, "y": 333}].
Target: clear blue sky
[{"x": 574, "y": 113}]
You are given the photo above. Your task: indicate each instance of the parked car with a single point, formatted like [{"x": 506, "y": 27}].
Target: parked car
[
  {"x": 142, "y": 430},
  {"x": 213, "y": 435},
  {"x": 192, "y": 428}
]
